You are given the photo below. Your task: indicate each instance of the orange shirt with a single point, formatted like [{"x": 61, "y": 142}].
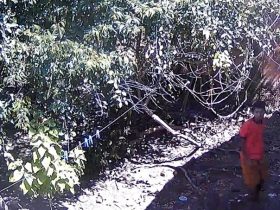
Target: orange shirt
[{"x": 254, "y": 143}]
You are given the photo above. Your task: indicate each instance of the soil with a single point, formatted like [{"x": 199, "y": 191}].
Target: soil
[
  {"x": 153, "y": 179},
  {"x": 218, "y": 175}
]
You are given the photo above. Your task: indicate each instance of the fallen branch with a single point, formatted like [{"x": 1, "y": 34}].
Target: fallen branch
[
  {"x": 189, "y": 179},
  {"x": 171, "y": 130}
]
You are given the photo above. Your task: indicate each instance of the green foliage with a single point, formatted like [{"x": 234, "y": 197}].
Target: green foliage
[
  {"x": 47, "y": 173},
  {"x": 20, "y": 111}
]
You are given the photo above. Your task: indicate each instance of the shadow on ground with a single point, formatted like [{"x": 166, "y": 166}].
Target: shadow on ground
[{"x": 218, "y": 174}]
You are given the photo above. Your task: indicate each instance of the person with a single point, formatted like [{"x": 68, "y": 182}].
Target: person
[{"x": 252, "y": 158}]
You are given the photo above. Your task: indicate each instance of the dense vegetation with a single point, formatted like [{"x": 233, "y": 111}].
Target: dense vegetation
[{"x": 69, "y": 68}]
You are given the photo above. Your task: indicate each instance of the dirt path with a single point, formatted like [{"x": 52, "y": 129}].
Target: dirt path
[{"x": 218, "y": 175}]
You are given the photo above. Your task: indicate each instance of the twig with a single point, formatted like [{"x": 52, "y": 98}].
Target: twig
[
  {"x": 180, "y": 168},
  {"x": 117, "y": 206},
  {"x": 116, "y": 185},
  {"x": 189, "y": 179},
  {"x": 185, "y": 173}
]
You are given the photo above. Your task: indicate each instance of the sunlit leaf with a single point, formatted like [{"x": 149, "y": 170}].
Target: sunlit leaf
[{"x": 16, "y": 175}]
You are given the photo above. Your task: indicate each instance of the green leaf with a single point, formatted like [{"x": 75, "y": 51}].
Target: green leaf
[
  {"x": 36, "y": 168},
  {"x": 8, "y": 155},
  {"x": 29, "y": 178},
  {"x": 16, "y": 175},
  {"x": 52, "y": 123},
  {"x": 15, "y": 164},
  {"x": 41, "y": 151},
  {"x": 61, "y": 186},
  {"x": 25, "y": 187},
  {"x": 72, "y": 190},
  {"x": 35, "y": 156},
  {"x": 54, "y": 133},
  {"x": 41, "y": 177},
  {"x": 46, "y": 162},
  {"x": 28, "y": 167},
  {"x": 45, "y": 129},
  {"x": 50, "y": 171},
  {"x": 52, "y": 151}
]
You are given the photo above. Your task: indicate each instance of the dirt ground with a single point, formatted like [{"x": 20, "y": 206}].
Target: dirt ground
[
  {"x": 218, "y": 174},
  {"x": 144, "y": 182}
]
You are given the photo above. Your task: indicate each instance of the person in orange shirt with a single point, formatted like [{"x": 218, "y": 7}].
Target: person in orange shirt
[{"x": 252, "y": 160}]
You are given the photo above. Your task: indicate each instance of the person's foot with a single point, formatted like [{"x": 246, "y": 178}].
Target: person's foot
[
  {"x": 254, "y": 196},
  {"x": 260, "y": 186}
]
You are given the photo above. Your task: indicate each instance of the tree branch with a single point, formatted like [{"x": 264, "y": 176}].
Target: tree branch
[{"x": 169, "y": 129}]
